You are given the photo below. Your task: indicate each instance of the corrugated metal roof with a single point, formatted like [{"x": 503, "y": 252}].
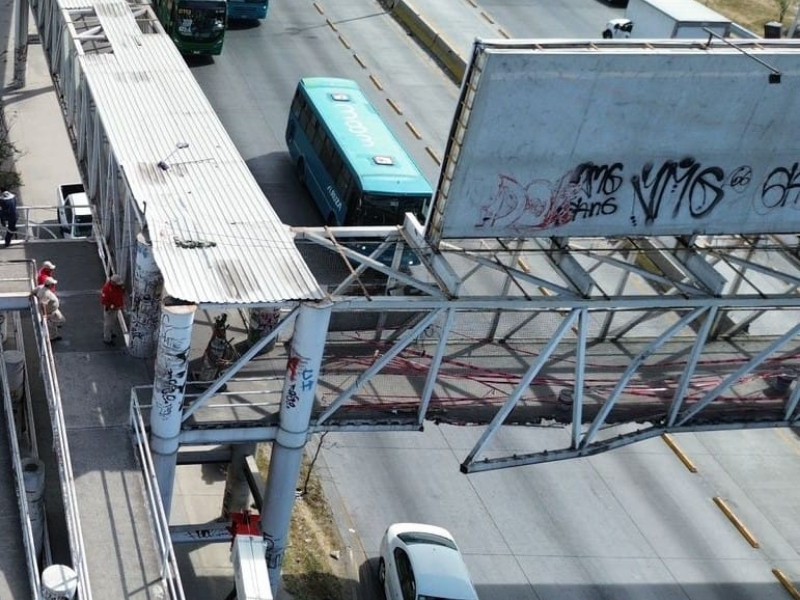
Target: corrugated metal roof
[{"x": 215, "y": 236}]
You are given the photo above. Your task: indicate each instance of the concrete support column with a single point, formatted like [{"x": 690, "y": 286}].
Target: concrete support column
[
  {"x": 237, "y": 491},
  {"x": 145, "y": 301},
  {"x": 21, "y": 44},
  {"x": 261, "y": 323},
  {"x": 171, "y": 370},
  {"x": 297, "y": 399}
]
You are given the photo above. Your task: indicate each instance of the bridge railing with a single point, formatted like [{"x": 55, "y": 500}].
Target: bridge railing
[{"x": 170, "y": 573}]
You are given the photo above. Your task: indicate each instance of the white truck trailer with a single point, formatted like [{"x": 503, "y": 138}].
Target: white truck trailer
[{"x": 663, "y": 19}]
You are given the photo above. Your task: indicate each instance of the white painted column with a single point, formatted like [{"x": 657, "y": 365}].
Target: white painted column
[
  {"x": 297, "y": 400},
  {"x": 145, "y": 301},
  {"x": 261, "y": 323},
  {"x": 171, "y": 370}
]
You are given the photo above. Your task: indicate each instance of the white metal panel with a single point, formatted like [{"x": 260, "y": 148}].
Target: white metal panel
[
  {"x": 623, "y": 139},
  {"x": 679, "y": 10},
  {"x": 215, "y": 236}
]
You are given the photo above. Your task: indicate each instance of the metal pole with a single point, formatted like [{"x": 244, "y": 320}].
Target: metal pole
[
  {"x": 145, "y": 301},
  {"x": 169, "y": 387},
  {"x": 21, "y": 44},
  {"x": 297, "y": 400}
]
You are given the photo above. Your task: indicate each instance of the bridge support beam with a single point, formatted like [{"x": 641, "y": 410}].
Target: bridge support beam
[
  {"x": 145, "y": 301},
  {"x": 169, "y": 387},
  {"x": 297, "y": 400}
]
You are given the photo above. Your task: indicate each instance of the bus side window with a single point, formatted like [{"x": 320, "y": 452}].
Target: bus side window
[
  {"x": 305, "y": 117},
  {"x": 327, "y": 155},
  {"x": 296, "y": 105},
  {"x": 319, "y": 138}
]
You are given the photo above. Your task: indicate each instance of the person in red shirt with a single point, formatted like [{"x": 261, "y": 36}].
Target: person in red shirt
[
  {"x": 47, "y": 270},
  {"x": 112, "y": 298}
]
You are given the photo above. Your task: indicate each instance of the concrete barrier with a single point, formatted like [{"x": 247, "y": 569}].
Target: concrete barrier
[{"x": 408, "y": 16}]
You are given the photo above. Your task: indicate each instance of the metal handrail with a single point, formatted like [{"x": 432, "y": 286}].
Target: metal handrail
[
  {"x": 59, "y": 428},
  {"x": 169, "y": 564},
  {"x": 22, "y": 498}
]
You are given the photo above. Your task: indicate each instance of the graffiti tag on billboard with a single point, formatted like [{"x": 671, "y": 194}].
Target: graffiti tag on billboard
[{"x": 657, "y": 192}]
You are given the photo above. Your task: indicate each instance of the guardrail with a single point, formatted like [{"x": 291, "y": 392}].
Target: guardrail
[
  {"x": 170, "y": 573},
  {"x": 22, "y": 498},
  {"x": 61, "y": 448}
]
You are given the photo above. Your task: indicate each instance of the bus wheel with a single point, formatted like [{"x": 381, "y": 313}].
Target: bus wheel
[{"x": 301, "y": 171}]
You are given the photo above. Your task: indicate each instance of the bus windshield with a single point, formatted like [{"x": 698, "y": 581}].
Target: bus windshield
[
  {"x": 200, "y": 20},
  {"x": 390, "y": 210}
]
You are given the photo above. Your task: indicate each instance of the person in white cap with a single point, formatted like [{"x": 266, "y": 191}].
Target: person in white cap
[
  {"x": 46, "y": 271},
  {"x": 112, "y": 298},
  {"x": 50, "y": 306}
]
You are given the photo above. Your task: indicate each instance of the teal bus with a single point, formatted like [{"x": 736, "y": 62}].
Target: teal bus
[
  {"x": 247, "y": 10},
  {"x": 196, "y": 26},
  {"x": 352, "y": 164}
]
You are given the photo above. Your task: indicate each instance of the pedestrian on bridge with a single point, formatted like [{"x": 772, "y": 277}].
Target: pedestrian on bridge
[
  {"x": 47, "y": 270},
  {"x": 8, "y": 214},
  {"x": 50, "y": 306},
  {"x": 112, "y": 297}
]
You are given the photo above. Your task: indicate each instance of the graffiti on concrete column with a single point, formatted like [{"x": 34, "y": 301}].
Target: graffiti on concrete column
[
  {"x": 171, "y": 367},
  {"x": 300, "y": 379}
]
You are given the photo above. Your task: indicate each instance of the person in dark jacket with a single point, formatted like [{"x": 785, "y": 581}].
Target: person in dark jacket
[
  {"x": 8, "y": 214},
  {"x": 112, "y": 298}
]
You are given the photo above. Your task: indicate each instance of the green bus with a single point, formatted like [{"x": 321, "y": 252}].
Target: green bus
[{"x": 196, "y": 26}]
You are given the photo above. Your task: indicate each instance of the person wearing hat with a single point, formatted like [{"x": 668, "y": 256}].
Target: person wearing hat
[
  {"x": 49, "y": 302},
  {"x": 112, "y": 298},
  {"x": 8, "y": 214},
  {"x": 46, "y": 271}
]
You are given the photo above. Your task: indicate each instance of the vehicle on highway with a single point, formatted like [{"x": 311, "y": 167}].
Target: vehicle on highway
[
  {"x": 422, "y": 562},
  {"x": 247, "y": 10},
  {"x": 74, "y": 211},
  {"x": 195, "y": 26},
  {"x": 356, "y": 170}
]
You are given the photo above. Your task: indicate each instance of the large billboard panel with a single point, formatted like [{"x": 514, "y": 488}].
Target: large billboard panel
[{"x": 626, "y": 139}]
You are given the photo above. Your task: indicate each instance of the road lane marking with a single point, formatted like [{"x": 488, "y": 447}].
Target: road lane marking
[
  {"x": 413, "y": 130},
  {"x": 786, "y": 583},
  {"x": 432, "y": 154},
  {"x": 375, "y": 82},
  {"x": 319, "y": 8},
  {"x": 723, "y": 506},
  {"x": 394, "y": 105},
  {"x": 679, "y": 453},
  {"x": 345, "y": 43}
]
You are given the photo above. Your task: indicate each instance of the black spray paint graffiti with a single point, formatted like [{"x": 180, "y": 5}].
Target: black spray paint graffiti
[
  {"x": 666, "y": 192},
  {"x": 781, "y": 188},
  {"x": 171, "y": 369},
  {"x": 596, "y": 187},
  {"x": 675, "y": 184}
]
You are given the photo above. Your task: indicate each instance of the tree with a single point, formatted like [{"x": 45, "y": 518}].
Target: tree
[
  {"x": 783, "y": 8},
  {"x": 9, "y": 177}
]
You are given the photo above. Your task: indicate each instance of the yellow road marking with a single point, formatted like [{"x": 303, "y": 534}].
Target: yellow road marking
[
  {"x": 723, "y": 506},
  {"x": 679, "y": 453}
]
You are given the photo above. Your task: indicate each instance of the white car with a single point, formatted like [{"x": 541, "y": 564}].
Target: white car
[{"x": 422, "y": 562}]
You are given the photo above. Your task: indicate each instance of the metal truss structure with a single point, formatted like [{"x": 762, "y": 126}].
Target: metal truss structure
[{"x": 613, "y": 340}]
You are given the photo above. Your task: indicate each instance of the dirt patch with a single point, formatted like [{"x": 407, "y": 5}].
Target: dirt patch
[
  {"x": 313, "y": 568},
  {"x": 753, "y": 14}
]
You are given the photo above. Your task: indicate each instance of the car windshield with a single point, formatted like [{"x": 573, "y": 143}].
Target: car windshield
[
  {"x": 83, "y": 225},
  {"x": 418, "y": 537}
]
